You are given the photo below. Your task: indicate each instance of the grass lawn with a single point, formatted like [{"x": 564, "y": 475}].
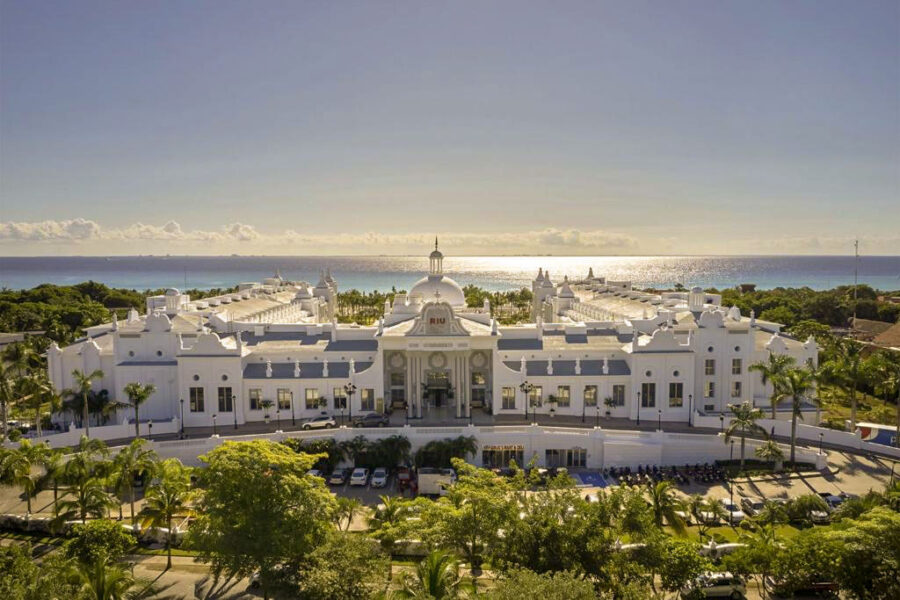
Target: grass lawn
[
  {"x": 836, "y": 407},
  {"x": 725, "y": 533}
]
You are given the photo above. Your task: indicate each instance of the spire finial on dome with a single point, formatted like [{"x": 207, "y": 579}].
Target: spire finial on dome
[{"x": 435, "y": 243}]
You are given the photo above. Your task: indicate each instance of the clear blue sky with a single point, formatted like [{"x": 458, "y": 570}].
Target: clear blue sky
[{"x": 562, "y": 127}]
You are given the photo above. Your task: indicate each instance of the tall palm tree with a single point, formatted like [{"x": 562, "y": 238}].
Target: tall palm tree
[
  {"x": 436, "y": 578},
  {"x": 797, "y": 385},
  {"x": 54, "y": 463},
  {"x": 22, "y": 358},
  {"x": 84, "y": 382},
  {"x": 17, "y": 468},
  {"x": 130, "y": 462},
  {"x": 137, "y": 395},
  {"x": 347, "y": 508},
  {"x": 168, "y": 497},
  {"x": 7, "y": 396},
  {"x": 845, "y": 369},
  {"x": 706, "y": 512},
  {"x": 40, "y": 391},
  {"x": 773, "y": 370},
  {"x": 666, "y": 504},
  {"x": 743, "y": 423}
]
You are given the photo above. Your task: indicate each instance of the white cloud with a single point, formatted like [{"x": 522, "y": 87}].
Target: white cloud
[{"x": 74, "y": 229}]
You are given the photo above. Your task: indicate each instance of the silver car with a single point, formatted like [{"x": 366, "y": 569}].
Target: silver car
[
  {"x": 320, "y": 422},
  {"x": 716, "y": 585}
]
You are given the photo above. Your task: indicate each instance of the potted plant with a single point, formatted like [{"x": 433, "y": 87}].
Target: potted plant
[
  {"x": 553, "y": 403},
  {"x": 609, "y": 403},
  {"x": 266, "y": 404}
]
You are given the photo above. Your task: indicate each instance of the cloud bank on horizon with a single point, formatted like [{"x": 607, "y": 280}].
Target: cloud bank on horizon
[{"x": 86, "y": 236}]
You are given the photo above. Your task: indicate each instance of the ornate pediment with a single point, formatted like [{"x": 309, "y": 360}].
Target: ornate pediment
[{"x": 437, "y": 319}]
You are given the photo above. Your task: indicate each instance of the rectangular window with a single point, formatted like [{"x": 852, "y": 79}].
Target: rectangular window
[
  {"x": 618, "y": 395},
  {"x": 255, "y": 399},
  {"x": 367, "y": 399},
  {"x": 197, "y": 399},
  {"x": 736, "y": 366},
  {"x": 590, "y": 395},
  {"x": 536, "y": 396},
  {"x": 710, "y": 366},
  {"x": 709, "y": 390},
  {"x": 676, "y": 394},
  {"x": 648, "y": 395},
  {"x": 736, "y": 389},
  {"x": 478, "y": 378},
  {"x": 225, "y": 400},
  {"x": 398, "y": 397},
  {"x": 340, "y": 398},
  {"x": 312, "y": 398},
  {"x": 509, "y": 398},
  {"x": 283, "y": 397},
  {"x": 398, "y": 379},
  {"x": 563, "y": 396},
  {"x": 577, "y": 457}
]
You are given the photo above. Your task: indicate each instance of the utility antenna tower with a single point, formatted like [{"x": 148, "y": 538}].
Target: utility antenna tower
[{"x": 855, "y": 279}]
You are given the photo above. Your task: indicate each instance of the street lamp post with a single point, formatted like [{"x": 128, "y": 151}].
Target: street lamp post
[
  {"x": 182, "y": 418},
  {"x": 350, "y": 389},
  {"x": 277, "y": 418},
  {"x": 150, "y": 430},
  {"x": 821, "y": 436},
  {"x": 721, "y": 423},
  {"x": 731, "y": 481},
  {"x": 690, "y": 410},
  {"x": 293, "y": 420},
  {"x": 234, "y": 402},
  {"x": 659, "y": 419},
  {"x": 526, "y": 391},
  {"x": 215, "y": 431}
]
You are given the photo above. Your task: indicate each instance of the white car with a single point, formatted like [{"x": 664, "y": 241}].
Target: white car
[
  {"x": 379, "y": 477},
  {"x": 359, "y": 476},
  {"x": 320, "y": 422},
  {"x": 315, "y": 473},
  {"x": 735, "y": 514},
  {"x": 717, "y": 585}
]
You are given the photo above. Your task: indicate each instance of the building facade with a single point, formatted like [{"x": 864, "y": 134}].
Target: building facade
[{"x": 273, "y": 350}]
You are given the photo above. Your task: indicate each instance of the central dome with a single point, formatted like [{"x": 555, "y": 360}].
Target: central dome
[{"x": 448, "y": 290}]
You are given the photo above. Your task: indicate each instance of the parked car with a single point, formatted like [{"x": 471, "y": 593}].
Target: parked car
[
  {"x": 371, "y": 420},
  {"x": 320, "y": 422},
  {"x": 379, "y": 477},
  {"x": 752, "y": 506},
  {"x": 360, "y": 476},
  {"x": 819, "y": 517},
  {"x": 315, "y": 473},
  {"x": 831, "y": 500},
  {"x": 338, "y": 477},
  {"x": 735, "y": 514},
  {"x": 821, "y": 590},
  {"x": 716, "y": 585}
]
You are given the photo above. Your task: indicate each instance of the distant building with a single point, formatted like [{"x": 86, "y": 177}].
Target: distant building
[{"x": 652, "y": 356}]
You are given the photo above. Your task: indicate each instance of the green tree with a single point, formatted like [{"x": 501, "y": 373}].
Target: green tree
[
  {"x": 845, "y": 369},
  {"x": 138, "y": 394},
  {"x": 54, "y": 463},
  {"x": 680, "y": 564},
  {"x": 23, "y": 578},
  {"x": 517, "y": 584},
  {"x": 101, "y": 581},
  {"x": 345, "y": 510},
  {"x": 706, "y": 512},
  {"x": 87, "y": 498},
  {"x": 884, "y": 370},
  {"x": 101, "y": 540},
  {"x": 84, "y": 382},
  {"x": 773, "y": 371},
  {"x": 167, "y": 497},
  {"x": 758, "y": 556},
  {"x": 345, "y": 567},
  {"x": 770, "y": 451},
  {"x": 259, "y": 509},
  {"x": 743, "y": 423}
]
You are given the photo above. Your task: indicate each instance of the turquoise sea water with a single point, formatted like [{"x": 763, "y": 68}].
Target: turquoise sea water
[{"x": 493, "y": 272}]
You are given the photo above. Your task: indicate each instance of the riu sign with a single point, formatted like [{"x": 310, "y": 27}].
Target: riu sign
[{"x": 437, "y": 320}]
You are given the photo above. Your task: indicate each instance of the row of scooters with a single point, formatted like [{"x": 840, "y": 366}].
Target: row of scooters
[{"x": 705, "y": 473}]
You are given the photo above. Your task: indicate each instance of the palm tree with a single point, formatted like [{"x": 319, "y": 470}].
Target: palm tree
[
  {"x": 796, "y": 385},
  {"x": 386, "y": 517},
  {"x": 666, "y": 505},
  {"x": 353, "y": 449},
  {"x": 436, "y": 578},
  {"x": 17, "y": 466},
  {"x": 771, "y": 451},
  {"x": 88, "y": 497},
  {"x": 101, "y": 581},
  {"x": 742, "y": 423},
  {"x": 347, "y": 508},
  {"x": 54, "y": 464},
  {"x": 706, "y": 512},
  {"x": 84, "y": 383},
  {"x": 131, "y": 461},
  {"x": 41, "y": 390},
  {"x": 886, "y": 373},
  {"x": 7, "y": 396},
  {"x": 773, "y": 370},
  {"x": 845, "y": 369},
  {"x": 137, "y": 395},
  {"x": 168, "y": 497}
]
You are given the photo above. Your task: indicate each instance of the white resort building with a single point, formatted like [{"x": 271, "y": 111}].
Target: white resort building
[{"x": 274, "y": 349}]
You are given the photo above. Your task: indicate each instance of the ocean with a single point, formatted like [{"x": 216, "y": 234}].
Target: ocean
[{"x": 367, "y": 273}]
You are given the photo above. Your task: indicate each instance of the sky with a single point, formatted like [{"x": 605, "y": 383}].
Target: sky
[{"x": 505, "y": 127}]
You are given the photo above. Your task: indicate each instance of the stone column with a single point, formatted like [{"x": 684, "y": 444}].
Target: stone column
[
  {"x": 457, "y": 371},
  {"x": 467, "y": 384}
]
